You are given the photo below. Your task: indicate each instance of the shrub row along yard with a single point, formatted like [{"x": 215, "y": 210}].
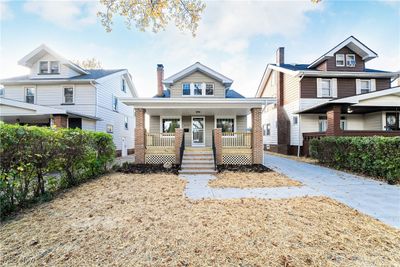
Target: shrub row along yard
[
  {"x": 375, "y": 156},
  {"x": 38, "y": 161}
]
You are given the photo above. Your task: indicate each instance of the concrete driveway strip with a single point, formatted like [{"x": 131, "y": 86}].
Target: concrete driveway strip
[{"x": 377, "y": 199}]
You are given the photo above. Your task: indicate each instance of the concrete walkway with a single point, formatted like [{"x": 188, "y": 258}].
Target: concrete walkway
[{"x": 377, "y": 199}]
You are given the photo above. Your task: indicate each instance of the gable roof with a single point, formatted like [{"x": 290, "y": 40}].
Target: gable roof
[
  {"x": 229, "y": 93},
  {"x": 42, "y": 50},
  {"x": 198, "y": 67},
  {"x": 354, "y": 44}
]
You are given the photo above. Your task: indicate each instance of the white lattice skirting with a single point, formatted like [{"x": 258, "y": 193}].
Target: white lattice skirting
[
  {"x": 237, "y": 159},
  {"x": 160, "y": 158}
]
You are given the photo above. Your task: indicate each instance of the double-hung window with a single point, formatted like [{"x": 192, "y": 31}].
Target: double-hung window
[
  {"x": 340, "y": 60},
  {"x": 30, "y": 93},
  {"x": 186, "y": 89},
  {"x": 350, "y": 60},
  {"x": 49, "y": 67},
  {"x": 115, "y": 103},
  {"x": 365, "y": 86},
  {"x": 326, "y": 88},
  {"x": 227, "y": 125},
  {"x": 267, "y": 129},
  {"x": 170, "y": 124},
  {"x": 68, "y": 94},
  {"x": 54, "y": 67},
  {"x": 43, "y": 67},
  {"x": 198, "y": 90},
  {"x": 209, "y": 89},
  {"x": 322, "y": 124}
]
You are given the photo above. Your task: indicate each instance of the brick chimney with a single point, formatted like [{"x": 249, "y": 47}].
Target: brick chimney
[
  {"x": 160, "y": 78},
  {"x": 280, "y": 56}
]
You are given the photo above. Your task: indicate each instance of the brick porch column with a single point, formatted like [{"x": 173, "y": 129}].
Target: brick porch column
[
  {"x": 218, "y": 145},
  {"x": 256, "y": 136},
  {"x": 333, "y": 121},
  {"x": 178, "y": 142},
  {"x": 140, "y": 136},
  {"x": 60, "y": 121}
]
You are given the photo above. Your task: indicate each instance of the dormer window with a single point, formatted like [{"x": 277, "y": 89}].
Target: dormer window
[
  {"x": 198, "y": 90},
  {"x": 209, "y": 89},
  {"x": 350, "y": 60},
  {"x": 340, "y": 60},
  {"x": 186, "y": 89},
  {"x": 49, "y": 67}
]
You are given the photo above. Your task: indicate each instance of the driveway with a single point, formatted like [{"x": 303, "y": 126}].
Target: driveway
[{"x": 377, "y": 199}]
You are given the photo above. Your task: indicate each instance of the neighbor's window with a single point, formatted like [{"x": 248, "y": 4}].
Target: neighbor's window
[
  {"x": 2, "y": 91},
  {"x": 365, "y": 86},
  {"x": 339, "y": 60},
  {"x": 350, "y": 60},
  {"x": 322, "y": 124},
  {"x": 170, "y": 124},
  {"x": 295, "y": 120},
  {"x": 30, "y": 95},
  {"x": 209, "y": 89},
  {"x": 267, "y": 130},
  {"x": 227, "y": 125},
  {"x": 123, "y": 86},
  {"x": 43, "y": 67},
  {"x": 126, "y": 122},
  {"x": 115, "y": 103},
  {"x": 186, "y": 89},
  {"x": 343, "y": 123},
  {"x": 110, "y": 128},
  {"x": 68, "y": 95},
  {"x": 326, "y": 87},
  {"x": 198, "y": 90},
  {"x": 54, "y": 67}
]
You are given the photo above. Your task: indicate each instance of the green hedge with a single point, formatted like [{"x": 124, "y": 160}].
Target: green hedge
[
  {"x": 35, "y": 162},
  {"x": 374, "y": 156}
]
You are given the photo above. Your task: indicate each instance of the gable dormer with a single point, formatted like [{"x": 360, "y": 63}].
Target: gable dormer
[
  {"x": 350, "y": 55},
  {"x": 196, "y": 80},
  {"x": 44, "y": 63}
]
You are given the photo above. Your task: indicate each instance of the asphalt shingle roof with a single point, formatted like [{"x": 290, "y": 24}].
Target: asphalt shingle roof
[{"x": 301, "y": 67}]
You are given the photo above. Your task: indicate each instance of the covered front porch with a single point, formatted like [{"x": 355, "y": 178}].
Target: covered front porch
[{"x": 166, "y": 127}]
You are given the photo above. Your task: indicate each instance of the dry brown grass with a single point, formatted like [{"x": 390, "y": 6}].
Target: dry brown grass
[
  {"x": 251, "y": 180},
  {"x": 144, "y": 220},
  {"x": 301, "y": 159}
]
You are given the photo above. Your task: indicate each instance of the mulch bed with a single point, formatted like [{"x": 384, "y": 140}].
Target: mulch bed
[
  {"x": 146, "y": 168},
  {"x": 243, "y": 168}
]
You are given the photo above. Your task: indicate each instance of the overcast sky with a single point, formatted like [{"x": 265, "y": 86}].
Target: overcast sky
[{"x": 236, "y": 38}]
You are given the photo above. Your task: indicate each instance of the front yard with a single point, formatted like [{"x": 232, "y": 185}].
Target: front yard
[{"x": 136, "y": 220}]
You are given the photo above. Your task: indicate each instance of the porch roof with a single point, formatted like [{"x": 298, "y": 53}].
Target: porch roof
[{"x": 195, "y": 106}]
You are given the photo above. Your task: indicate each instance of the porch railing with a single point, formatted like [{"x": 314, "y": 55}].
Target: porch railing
[
  {"x": 182, "y": 149},
  {"x": 214, "y": 149},
  {"x": 236, "y": 139},
  {"x": 160, "y": 140}
]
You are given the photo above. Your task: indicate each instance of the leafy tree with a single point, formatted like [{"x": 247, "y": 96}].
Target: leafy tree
[
  {"x": 154, "y": 14},
  {"x": 90, "y": 63}
]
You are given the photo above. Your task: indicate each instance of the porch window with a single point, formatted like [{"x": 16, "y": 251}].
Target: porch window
[
  {"x": 365, "y": 86},
  {"x": 209, "y": 89},
  {"x": 226, "y": 124},
  {"x": 68, "y": 95},
  {"x": 198, "y": 90},
  {"x": 170, "y": 124},
  {"x": 30, "y": 93},
  {"x": 322, "y": 124},
  {"x": 326, "y": 87},
  {"x": 350, "y": 60},
  {"x": 339, "y": 60},
  {"x": 186, "y": 89}
]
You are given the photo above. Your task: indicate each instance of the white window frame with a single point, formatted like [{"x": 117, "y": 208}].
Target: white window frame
[
  {"x": 123, "y": 85},
  {"x": 226, "y": 117},
  {"x": 112, "y": 103},
  {"x": 58, "y": 67},
  {"x": 268, "y": 129},
  {"x": 205, "y": 89},
  {"x": 190, "y": 91},
  {"x": 330, "y": 87},
  {"x": 48, "y": 67},
  {"x": 343, "y": 59},
  {"x": 169, "y": 117},
  {"x": 324, "y": 124},
  {"x": 347, "y": 60},
  {"x": 204, "y": 130},
  {"x": 63, "y": 94},
  {"x": 112, "y": 128},
  {"x": 34, "y": 95},
  {"x": 201, "y": 87},
  {"x": 369, "y": 86},
  {"x": 126, "y": 122}
]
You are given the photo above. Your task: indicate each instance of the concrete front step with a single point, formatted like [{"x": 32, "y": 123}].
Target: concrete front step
[
  {"x": 210, "y": 171},
  {"x": 197, "y": 166},
  {"x": 204, "y": 161},
  {"x": 197, "y": 158},
  {"x": 198, "y": 153},
  {"x": 198, "y": 149}
]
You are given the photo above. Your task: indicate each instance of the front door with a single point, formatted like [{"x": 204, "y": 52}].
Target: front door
[{"x": 198, "y": 131}]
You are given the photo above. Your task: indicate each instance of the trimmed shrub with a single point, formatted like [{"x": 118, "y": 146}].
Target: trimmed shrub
[
  {"x": 37, "y": 161},
  {"x": 374, "y": 156}
]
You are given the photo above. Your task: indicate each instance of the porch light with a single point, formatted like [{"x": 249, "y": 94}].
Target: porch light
[{"x": 349, "y": 110}]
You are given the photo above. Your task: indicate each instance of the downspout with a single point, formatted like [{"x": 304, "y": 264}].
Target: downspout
[
  {"x": 95, "y": 106},
  {"x": 299, "y": 123}
]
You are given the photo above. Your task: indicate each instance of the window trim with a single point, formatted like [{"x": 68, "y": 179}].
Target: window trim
[
  {"x": 112, "y": 129},
  {"x": 169, "y": 117},
  {"x": 344, "y": 60},
  {"x": 351, "y": 66},
  {"x": 369, "y": 85},
  {"x": 34, "y": 96},
  {"x": 226, "y": 117},
  {"x": 48, "y": 67},
  {"x": 63, "y": 94},
  {"x": 205, "y": 90},
  {"x": 123, "y": 85},
  {"x": 58, "y": 67},
  {"x": 330, "y": 88},
  {"x": 268, "y": 129},
  {"x": 112, "y": 103},
  {"x": 190, "y": 91},
  {"x": 201, "y": 87},
  {"x": 322, "y": 119}
]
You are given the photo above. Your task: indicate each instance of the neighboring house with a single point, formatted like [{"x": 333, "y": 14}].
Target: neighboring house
[
  {"x": 196, "y": 101},
  {"x": 59, "y": 92},
  {"x": 334, "y": 95}
]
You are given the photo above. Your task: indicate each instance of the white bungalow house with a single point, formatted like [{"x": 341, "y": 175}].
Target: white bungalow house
[
  {"x": 196, "y": 117},
  {"x": 58, "y": 92}
]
